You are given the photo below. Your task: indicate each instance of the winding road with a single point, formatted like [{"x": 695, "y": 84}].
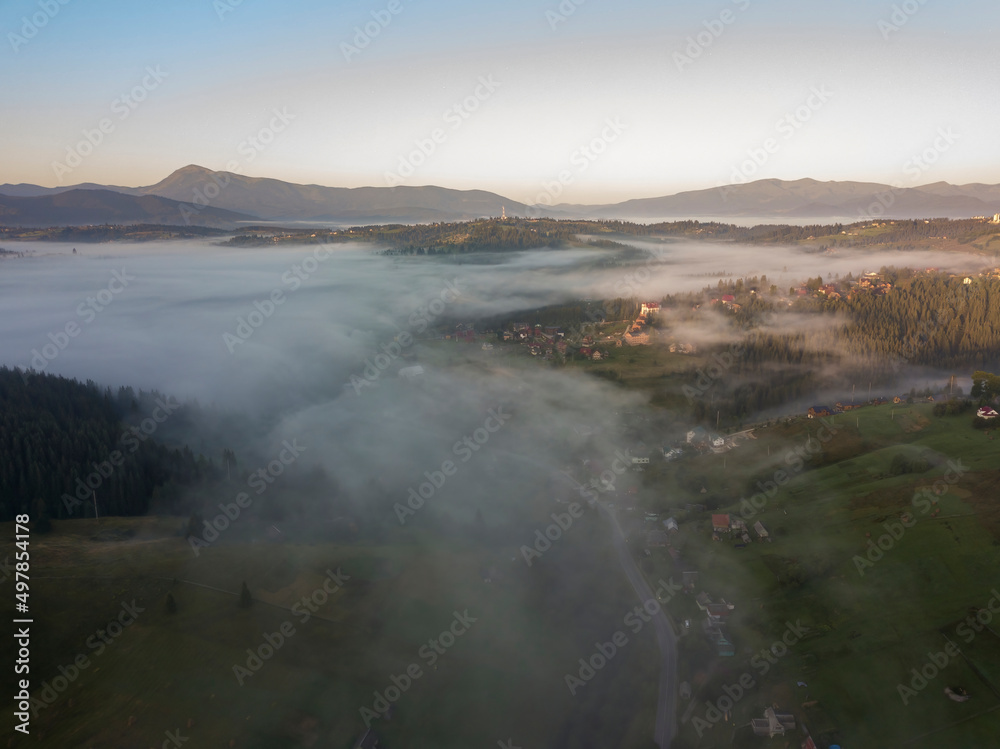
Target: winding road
[{"x": 666, "y": 706}]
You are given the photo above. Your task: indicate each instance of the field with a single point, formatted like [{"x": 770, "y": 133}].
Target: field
[
  {"x": 873, "y": 614},
  {"x": 501, "y": 677}
]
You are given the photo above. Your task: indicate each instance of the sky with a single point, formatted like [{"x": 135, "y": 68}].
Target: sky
[{"x": 580, "y": 101}]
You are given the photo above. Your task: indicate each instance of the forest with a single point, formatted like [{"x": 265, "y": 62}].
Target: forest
[{"x": 62, "y": 441}]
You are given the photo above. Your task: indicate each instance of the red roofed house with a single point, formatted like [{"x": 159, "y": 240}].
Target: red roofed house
[
  {"x": 648, "y": 307},
  {"x": 720, "y": 523}
]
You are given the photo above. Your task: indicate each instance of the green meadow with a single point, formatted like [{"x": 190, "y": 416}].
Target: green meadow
[{"x": 882, "y": 568}]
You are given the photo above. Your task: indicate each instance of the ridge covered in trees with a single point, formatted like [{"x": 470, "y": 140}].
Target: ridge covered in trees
[{"x": 58, "y": 438}]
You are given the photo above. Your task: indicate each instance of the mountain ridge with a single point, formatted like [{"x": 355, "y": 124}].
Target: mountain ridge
[{"x": 268, "y": 199}]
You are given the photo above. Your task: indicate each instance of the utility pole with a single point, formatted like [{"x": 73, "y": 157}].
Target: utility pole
[{"x": 96, "y": 516}]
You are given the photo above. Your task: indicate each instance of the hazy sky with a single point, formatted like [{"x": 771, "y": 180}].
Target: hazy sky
[{"x": 889, "y": 83}]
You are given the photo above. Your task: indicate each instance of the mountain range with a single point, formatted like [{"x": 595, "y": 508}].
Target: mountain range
[{"x": 198, "y": 196}]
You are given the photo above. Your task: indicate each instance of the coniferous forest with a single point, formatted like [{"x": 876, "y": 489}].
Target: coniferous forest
[{"x": 61, "y": 439}]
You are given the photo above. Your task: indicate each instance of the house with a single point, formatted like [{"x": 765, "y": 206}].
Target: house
[
  {"x": 649, "y": 307},
  {"x": 720, "y": 523},
  {"x": 722, "y": 645},
  {"x": 773, "y": 724},
  {"x": 986, "y": 413},
  {"x": 761, "y": 530},
  {"x": 596, "y": 356},
  {"x": 728, "y": 298},
  {"x": 670, "y": 524},
  {"x": 819, "y": 411},
  {"x": 656, "y": 538},
  {"x": 408, "y": 373},
  {"x": 719, "y": 611},
  {"x": 697, "y": 436}
]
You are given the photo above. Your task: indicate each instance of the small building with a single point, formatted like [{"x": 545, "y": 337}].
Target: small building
[
  {"x": 819, "y": 411},
  {"x": 656, "y": 538},
  {"x": 773, "y": 723},
  {"x": 719, "y": 611},
  {"x": 720, "y": 523},
  {"x": 696, "y": 436},
  {"x": 671, "y": 524},
  {"x": 408, "y": 373},
  {"x": 986, "y": 413},
  {"x": 761, "y": 530}
]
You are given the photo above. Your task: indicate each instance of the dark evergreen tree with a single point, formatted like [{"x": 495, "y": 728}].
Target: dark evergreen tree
[{"x": 246, "y": 600}]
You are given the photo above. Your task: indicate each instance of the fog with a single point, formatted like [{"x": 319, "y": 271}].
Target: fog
[
  {"x": 172, "y": 319},
  {"x": 317, "y": 347}
]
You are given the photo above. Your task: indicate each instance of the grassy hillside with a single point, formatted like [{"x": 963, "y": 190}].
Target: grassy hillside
[
  {"x": 870, "y": 622},
  {"x": 502, "y": 678}
]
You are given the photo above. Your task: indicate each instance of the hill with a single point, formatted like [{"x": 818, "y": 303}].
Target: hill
[{"x": 97, "y": 206}]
